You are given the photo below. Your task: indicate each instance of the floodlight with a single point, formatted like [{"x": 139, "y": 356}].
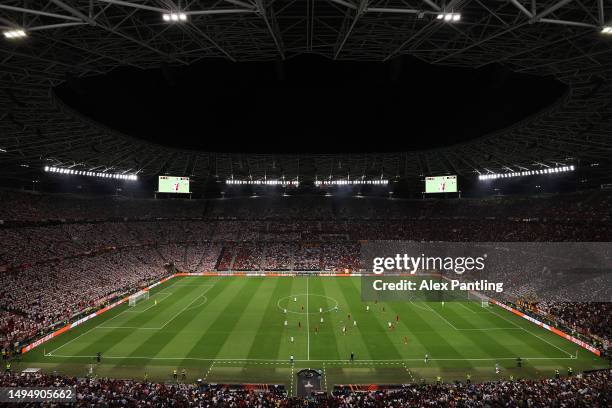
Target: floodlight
[
  {"x": 548, "y": 170},
  {"x": 117, "y": 176},
  {"x": 14, "y": 34},
  {"x": 174, "y": 17},
  {"x": 449, "y": 17}
]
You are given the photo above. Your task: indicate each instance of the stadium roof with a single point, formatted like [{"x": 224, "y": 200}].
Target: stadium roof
[{"x": 72, "y": 39}]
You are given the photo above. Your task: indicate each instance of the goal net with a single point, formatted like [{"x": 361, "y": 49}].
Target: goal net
[
  {"x": 137, "y": 297},
  {"x": 479, "y": 297}
]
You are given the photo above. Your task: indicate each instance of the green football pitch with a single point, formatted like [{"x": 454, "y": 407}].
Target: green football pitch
[{"x": 233, "y": 330}]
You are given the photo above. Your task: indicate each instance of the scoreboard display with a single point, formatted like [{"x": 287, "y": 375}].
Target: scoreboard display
[
  {"x": 441, "y": 184},
  {"x": 171, "y": 184}
]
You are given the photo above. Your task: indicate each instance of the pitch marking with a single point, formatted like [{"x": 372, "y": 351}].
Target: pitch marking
[
  {"x": 185, "y": 308},
  {"x": 441, "y": 317},
  {"x": 307, "y": 321},
  {"x": 285, "y": 362},
  {"x": 278, "y": 303}
]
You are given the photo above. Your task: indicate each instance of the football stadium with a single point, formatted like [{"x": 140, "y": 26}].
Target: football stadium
[{"x": 307, "y": 203}]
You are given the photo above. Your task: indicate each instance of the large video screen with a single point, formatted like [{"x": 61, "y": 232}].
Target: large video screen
[
  {"x": 170, "y": 184},
  {"x": 441, "y": 184}
]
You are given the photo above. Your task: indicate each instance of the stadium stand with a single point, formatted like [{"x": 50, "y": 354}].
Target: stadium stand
[
  {"x": 34, "y": 299},
  {"x": 36, "y": 207},
  {"x": 587, "y": 390}
]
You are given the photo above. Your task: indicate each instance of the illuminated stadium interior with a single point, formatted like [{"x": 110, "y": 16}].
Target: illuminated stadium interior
[{"x": 225, "y": 204}]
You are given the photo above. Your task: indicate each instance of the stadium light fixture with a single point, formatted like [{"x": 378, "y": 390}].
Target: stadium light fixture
[
  {"x": 357, "y": 182},
  {"x": 174, "y": 17},
  {"x": 265, "y": 182},
  {"x": 549, "y": 170},
  {"x": 15, "y": 34},
  {"x": 606, "y": 30},
  {"x": 449, "y": 17},
  {"x": 116, "y": 176}
]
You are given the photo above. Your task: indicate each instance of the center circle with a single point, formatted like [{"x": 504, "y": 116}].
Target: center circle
[{"x": 288, "y": 303}]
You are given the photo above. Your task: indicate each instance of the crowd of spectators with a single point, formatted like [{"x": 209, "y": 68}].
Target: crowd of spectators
[
  {"x": 33, "y": 299},
  {"x": 278, "y": 257},
  {"x": 35, "y": 244},
  {"x": 308, "y": 257},
  {"x": 589, "y": 390},
  {"x": 35, "y": 207},
  {"x": 592, "y": 319},
  {"x": 248, "y": 257},
  {"x": 584, "y": 390}
]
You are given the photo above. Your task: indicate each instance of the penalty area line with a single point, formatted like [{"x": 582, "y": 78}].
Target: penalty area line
[
  {"x": 155, "y": 298},
  {"x": 186, "y": 307},
  {"x": 441, "y": 317},
  {"x": 86, "y": 332}
]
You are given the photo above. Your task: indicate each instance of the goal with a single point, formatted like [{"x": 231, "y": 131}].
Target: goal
[
  {"x": 138, "y": 296},
  {"x": 479, "y": 297}
]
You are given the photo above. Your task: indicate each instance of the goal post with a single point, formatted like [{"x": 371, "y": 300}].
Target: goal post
[{"x": 137, "y": 297}]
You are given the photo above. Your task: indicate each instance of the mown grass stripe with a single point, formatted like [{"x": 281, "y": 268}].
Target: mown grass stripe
[
  {"x": 325, "y": 343},
  {"x": 296, "y": 323},
  {"x": 267, "y": 339},
  {"x": 377, "y": 347},
  {"x": 213, "y": 339},
  {"x": 241, "y": 339}
]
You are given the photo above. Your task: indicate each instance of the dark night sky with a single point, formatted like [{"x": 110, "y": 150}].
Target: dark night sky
[{"x": 309, "y": 104}]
